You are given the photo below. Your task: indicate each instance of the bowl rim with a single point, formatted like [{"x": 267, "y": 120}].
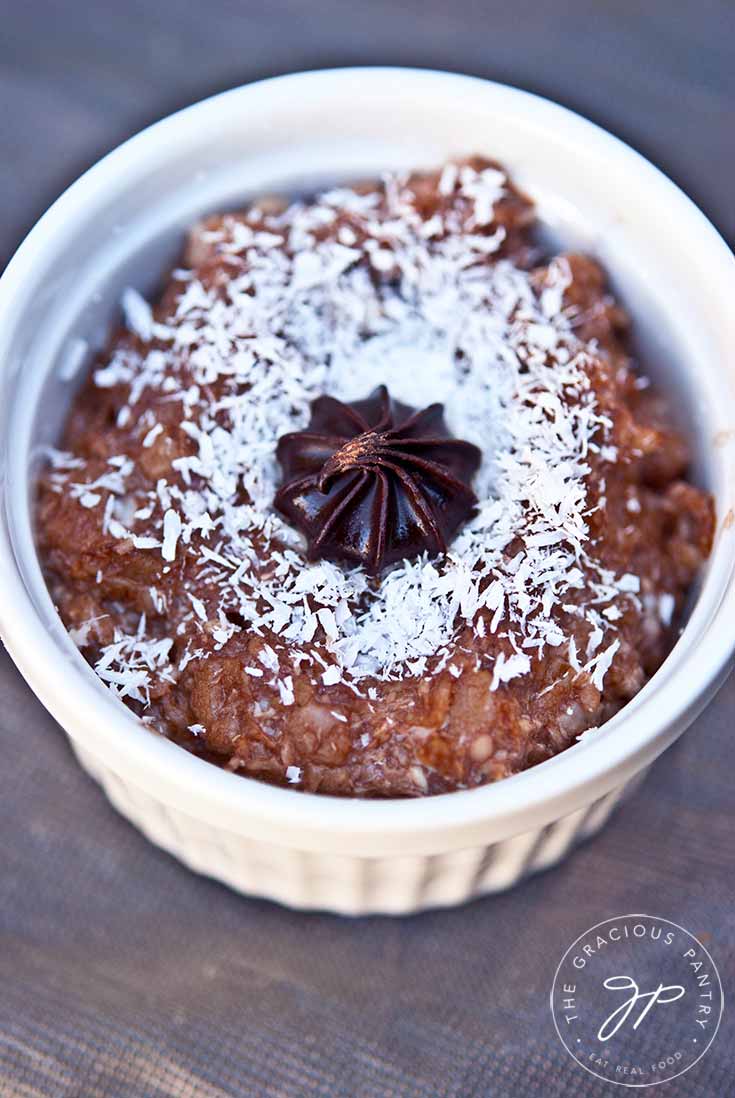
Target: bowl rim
[{"x": 101, "y": 725}]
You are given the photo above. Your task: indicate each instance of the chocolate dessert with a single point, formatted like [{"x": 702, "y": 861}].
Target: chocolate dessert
[{"x": 375, "y": 501}]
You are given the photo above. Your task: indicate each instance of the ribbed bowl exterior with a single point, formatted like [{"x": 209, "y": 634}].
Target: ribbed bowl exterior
[
  {"x": 119, "y": 225},
  {"x": 351, "y": 885}
]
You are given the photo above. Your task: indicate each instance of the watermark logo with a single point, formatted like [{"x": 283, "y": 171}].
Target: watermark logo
[{"x": 637, "y": 1000}]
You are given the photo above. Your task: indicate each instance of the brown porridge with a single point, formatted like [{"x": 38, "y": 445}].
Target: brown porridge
[{"x": 313, "y": 580}]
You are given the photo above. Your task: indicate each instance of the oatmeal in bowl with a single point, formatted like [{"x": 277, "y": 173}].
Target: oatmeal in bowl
[
  {"x": 410, "y": 592},
  {"x": 375, "y": 548}
]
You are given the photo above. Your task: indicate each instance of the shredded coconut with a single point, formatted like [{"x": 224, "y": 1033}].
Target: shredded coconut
[
  {"x": 446, "y": 320},
  {"x": 130, "y": 662}
]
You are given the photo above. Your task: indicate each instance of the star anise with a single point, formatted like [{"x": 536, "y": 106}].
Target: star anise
[{"x": 375, "y": 481}]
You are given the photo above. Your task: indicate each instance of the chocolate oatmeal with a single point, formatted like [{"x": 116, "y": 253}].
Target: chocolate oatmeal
[{"x": 374, "y": 501}]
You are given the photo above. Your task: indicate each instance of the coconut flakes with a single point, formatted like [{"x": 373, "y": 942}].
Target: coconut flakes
[{"x": 301, "y": 315}]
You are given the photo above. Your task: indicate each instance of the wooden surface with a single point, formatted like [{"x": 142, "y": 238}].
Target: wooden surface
[{"x": 120, "y": 973}]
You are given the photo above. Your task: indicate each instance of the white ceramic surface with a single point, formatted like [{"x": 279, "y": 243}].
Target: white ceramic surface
[{"x": 124, "y": 220}]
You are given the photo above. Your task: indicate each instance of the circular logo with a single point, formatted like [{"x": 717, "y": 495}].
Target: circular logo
[{"x": 637, "y": 1000}]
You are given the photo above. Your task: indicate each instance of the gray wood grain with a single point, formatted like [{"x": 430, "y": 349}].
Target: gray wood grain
[{"x": 120, "y": 973}]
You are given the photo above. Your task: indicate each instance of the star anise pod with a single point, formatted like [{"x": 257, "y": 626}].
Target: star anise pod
[{"x": 375, "y": 481}]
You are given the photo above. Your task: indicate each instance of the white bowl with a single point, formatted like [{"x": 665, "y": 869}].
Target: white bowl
[{"x": 121, "y": 223}]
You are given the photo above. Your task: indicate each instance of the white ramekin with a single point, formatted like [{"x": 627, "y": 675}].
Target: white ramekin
[{"x": 121, "y": 223}]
